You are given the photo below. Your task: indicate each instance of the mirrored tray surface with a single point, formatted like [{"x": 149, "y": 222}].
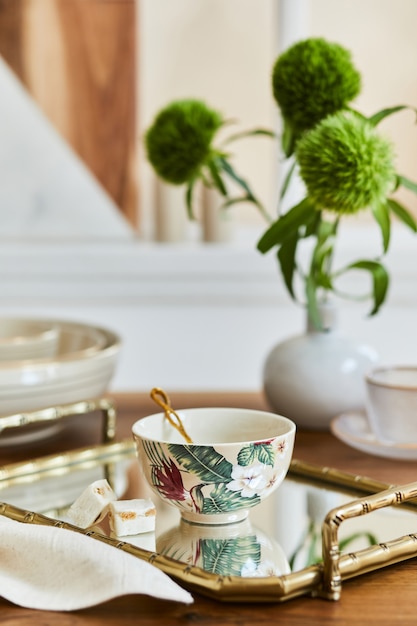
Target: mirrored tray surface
[{"x": 274, "y": 555}]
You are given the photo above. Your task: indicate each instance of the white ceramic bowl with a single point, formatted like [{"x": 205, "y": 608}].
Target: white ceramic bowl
[
  {"x": 79, "y": 340},
  {"x": 81, "y": 369},
  {"x": 22, "y": 339},
  {"x": 238, "y": 457}
]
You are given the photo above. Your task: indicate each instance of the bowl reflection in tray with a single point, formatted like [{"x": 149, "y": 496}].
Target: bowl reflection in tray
[{"x": 227, "y": 550}]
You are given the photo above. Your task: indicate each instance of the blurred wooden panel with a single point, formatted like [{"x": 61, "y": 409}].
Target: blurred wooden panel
[{"x": 78, "y": 60}]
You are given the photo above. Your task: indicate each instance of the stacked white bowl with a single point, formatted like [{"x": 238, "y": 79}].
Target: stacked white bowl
[
  {"x": 45, "y": 363},
  {"x": 27, "y": 339}
]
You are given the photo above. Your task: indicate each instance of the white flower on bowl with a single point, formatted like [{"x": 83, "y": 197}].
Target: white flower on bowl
[
  {"x": 251, "y": 480},
  {"x": 265, "y": 569}
]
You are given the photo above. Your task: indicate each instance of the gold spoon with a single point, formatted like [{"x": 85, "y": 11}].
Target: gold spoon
[{"x": 161, "y": 398}]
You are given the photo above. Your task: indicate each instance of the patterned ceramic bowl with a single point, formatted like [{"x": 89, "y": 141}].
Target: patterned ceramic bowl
[{"x": 236, "y": 459}]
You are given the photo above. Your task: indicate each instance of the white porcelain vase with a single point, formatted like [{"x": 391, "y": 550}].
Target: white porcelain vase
[{"x": 315, "y": 376}]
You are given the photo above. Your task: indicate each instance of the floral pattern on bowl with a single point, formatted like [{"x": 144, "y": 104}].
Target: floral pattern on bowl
[{"x": 209, "y": 487}]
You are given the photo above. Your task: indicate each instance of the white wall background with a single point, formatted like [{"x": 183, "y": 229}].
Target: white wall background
[{"x": 195, "y": 316}]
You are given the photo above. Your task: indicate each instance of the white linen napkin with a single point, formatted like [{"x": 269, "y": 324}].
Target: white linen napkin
[{"x": 49, "y": 568}]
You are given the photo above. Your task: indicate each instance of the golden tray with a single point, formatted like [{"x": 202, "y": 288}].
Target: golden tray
[{"x": 320, "y": 579}]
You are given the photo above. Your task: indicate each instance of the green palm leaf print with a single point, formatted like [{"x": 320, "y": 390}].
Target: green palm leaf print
[
  {"x": 228, "y": 556},
  {"x": 203, "y": 461},
  {"x": 261, "y": 452},
  {"x": 221, "y": 500}
]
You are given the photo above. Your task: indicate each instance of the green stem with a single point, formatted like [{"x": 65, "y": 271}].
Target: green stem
[{"x": 329, "y": 260}]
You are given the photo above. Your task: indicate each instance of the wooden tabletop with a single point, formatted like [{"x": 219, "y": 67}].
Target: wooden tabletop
[{"x": 383, "y": 597}]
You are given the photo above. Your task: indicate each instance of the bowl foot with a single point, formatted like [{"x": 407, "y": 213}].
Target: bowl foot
[{"x": 218, "y": 519}]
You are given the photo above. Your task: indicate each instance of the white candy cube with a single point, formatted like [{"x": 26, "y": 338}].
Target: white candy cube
[
  {"x": 91, "y": 505},
  {"x": 131, "y": 517}
]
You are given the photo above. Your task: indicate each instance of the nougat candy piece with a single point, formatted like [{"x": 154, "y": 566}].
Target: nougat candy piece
[
  {"x": 131, "y": 517},
  {"x": 91, "y": 506}
]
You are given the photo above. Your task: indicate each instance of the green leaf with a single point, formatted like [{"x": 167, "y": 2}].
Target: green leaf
[
  {"x": 265, "y": 454},
  {"x": 198, "y": 497},
  {"x": 381, "y": 215},
  {"x": 217, "y": 179},
  {"x": 154, "y": 453},
  {"x": 286, "y": 226},
  {"x": 357, "y": 113},
  {"x": 232, "y": 201},
  {"x": 407, "y": 183},
  {"x": 203, "y": 461},
  {"x": 226, "y": 557},
  {"x": 265, "y": 132},
  {"x": 313, "y": 225},
  {"x": 380, "y": 281},
  {"x": 321, "y": 263},
  {"x": 324, "y": 248},
  {"x": 250, "y": 197},
  {"x": 287, "y": 180},
  {"x": 246, "y": 455},
  {"x": 402, "y": 214},
  {"x": 222, "y": 499},
  {"x": 324, "y": 281},
  {"x": 381, "y": 115},
  {"x": 287, "y": 261},
  {"x": 228, "y": 169},
  {"x": 262, "y": 452},
  {"x": 322, "y": 253}
]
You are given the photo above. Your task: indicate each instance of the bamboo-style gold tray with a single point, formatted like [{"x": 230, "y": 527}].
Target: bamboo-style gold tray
[
  {"x": 324, "y": 578},
  {"x": 33, "y": 422}
]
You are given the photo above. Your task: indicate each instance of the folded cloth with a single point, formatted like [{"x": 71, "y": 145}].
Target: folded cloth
[{"x": 50, "y": 568}]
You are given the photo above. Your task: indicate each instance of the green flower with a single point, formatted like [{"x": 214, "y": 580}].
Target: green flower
[
  {"x": 180, "y": 147},
  {"x": 178, "y": 143},
  {"x": 311, "y": 80},
  {"x": 346, "y": 164}
]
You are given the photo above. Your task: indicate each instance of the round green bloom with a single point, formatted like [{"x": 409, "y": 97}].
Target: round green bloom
[
  {"x": 313, "y": 79},
  {"x": 178, "y": 143},
  {"x": 345, "y": 164}
]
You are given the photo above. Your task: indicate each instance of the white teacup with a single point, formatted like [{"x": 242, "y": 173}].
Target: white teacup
[{"x": 392, "y": 403}]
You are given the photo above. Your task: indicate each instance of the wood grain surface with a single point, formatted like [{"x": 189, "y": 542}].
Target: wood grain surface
[
  {"x": 77, "y": 58},
  {"x": 385, "y": 597}
]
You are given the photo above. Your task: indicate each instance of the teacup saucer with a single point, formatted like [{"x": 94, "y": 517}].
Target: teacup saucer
[{"x": 353, "y": 429}]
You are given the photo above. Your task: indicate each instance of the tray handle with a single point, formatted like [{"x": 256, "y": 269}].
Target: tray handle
[{"x": 332, "y": 578}]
